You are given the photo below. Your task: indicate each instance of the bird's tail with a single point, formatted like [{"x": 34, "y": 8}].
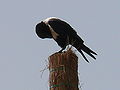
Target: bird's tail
[{"x": 86, "y": 50}]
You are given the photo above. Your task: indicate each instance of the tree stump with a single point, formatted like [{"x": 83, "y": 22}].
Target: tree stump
[{"x": 63, "y": 69}]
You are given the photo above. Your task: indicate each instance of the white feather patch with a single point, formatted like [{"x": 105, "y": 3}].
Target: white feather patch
[{"x": 54, "y": 34}]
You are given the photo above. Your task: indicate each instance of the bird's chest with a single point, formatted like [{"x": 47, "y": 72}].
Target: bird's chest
[
  {"x": 59, "y": 37},
  {"x": 61, "y": 41}
]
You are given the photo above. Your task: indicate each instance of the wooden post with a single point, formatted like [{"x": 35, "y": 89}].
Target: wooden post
[{"x": 63, "y": 69}]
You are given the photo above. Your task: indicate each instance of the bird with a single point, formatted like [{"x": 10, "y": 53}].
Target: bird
[{"x": 64, "y": 34}]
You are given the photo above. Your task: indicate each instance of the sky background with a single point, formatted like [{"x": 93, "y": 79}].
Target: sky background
[{"x": 23, "y": 55}]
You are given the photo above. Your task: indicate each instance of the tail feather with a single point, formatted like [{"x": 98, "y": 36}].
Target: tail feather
[
  {"x": 86, "y": 50},
  {"x": 90, "y": 54},
  {"x": 91, "y": 51},
  {"x": 83, "y": 56},
  {"x": 78, "y": 44}
]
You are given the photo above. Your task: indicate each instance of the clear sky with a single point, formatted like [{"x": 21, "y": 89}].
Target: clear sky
[{"x": 23, "y": 54}]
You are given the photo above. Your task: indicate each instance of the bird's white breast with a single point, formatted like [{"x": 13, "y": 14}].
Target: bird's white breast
[{"x": 54, "y": 34}]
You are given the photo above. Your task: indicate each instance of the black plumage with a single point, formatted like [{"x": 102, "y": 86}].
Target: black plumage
[{"x": 63, "y": 34}]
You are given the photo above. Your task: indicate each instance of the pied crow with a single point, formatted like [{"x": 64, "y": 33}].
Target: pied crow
[{"x": 63, "y": 34}]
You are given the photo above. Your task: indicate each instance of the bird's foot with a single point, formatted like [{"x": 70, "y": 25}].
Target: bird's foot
[{"x": 60, "y": 51}]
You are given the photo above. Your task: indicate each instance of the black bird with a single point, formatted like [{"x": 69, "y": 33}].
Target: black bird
[{"x": 63, "y": 34}]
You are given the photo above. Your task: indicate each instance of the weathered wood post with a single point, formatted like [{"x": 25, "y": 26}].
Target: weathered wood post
[{"x": 63, "y": 69}]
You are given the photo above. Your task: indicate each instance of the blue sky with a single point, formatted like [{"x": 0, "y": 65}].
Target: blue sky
[{"x": 23, "y": 54}]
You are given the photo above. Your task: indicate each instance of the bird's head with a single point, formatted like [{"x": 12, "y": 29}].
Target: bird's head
[{"x": 42, "y": 30}]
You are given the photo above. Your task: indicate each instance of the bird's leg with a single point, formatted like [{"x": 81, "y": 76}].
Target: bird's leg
[{"x": 62, "y": 49}]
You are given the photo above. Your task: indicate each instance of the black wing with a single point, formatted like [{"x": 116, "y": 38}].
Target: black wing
[{"x": 63, "y": 28}]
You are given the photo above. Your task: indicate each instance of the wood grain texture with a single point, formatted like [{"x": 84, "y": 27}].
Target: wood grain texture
[{"x": 63, "y": 69}]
